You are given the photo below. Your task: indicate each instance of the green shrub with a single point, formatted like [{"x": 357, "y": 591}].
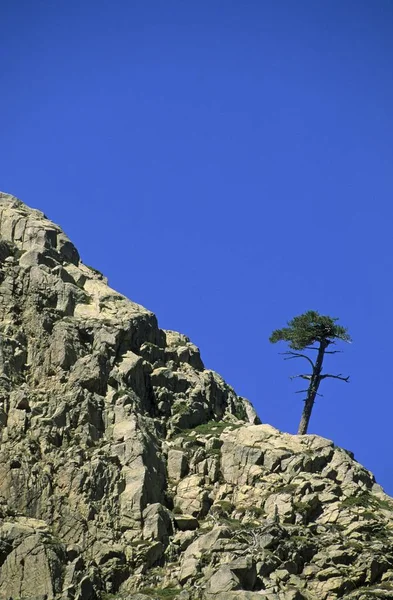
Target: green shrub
[
  {"x": 214, "y": 452},
  {"x": 384, "y": 504},
  {"x": 224, "y": 505},
  {"x": 288, "y": 488},
  {"x": 180, "y": 408},
  {"x": 168, "y": 593},
  {"x": 302, "y": 508},
  {"x": 254, "y": 511},
  {"x": 364, "y": 500},
  {"x": 211, "y": 427}
]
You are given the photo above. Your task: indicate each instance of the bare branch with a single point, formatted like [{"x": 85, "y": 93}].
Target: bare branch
[
  {"x": 308, "y": 377},
  {"x": 333, "y": 351},
  {"x": 298, "y": 355},
  {"x": 335, "y": 377},
  {"x": 302, "y": 391}
]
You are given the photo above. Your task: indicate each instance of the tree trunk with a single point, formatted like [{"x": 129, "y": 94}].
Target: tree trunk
[{"x": 312, "y": 389}]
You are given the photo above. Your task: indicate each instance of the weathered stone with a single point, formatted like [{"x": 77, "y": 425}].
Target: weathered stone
[
  {"x": 177, "y": 464},
  {"x": 280, "y": 506},
  {"x": 244, "y": 568},
  {"x": 104, "y": 489},
  {"x": 33, "y": 569},
  {"x": 186, "y": 522},
  {"x": 189, "y": 569},
  {"x": 157, "y": 524},
  {"x": 206, "y": 541},
  {"x": 191, "y": 497},
  {"x": 223, "y": 580}
]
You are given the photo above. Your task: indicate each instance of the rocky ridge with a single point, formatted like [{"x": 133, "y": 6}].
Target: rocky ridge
[{"x": 129, "y": 471}]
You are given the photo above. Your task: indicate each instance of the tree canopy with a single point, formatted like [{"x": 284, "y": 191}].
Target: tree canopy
[{"x": 309, "y": 328}]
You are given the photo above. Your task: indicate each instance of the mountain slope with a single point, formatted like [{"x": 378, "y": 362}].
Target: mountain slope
[{"x": 129, "y": 470}]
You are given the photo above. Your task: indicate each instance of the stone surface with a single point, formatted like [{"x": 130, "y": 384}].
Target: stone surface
[{"x": 128, "y": 470}]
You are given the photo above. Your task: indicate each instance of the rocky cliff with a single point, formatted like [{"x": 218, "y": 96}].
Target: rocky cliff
[{"x": 129, "y": 471}]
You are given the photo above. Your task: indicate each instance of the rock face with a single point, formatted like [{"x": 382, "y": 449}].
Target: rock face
[{"x": 129, "y": 471}]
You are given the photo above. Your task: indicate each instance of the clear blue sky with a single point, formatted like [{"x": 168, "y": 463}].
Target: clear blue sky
[{"x": 228, "y": 165}]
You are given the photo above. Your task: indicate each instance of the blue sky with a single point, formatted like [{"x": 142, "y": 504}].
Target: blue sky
[{"x": 228, "y": 165}]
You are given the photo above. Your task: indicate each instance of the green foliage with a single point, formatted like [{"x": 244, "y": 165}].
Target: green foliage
[
  {"x": 253, "y": 511},
  {"x": 288, "y": 488},
  {"x": 299, "y": 539},
  {"x": 308, "y": 328},
  {"x": 181, "y": 408},
  {"x": 363, "y": 500},
  {"x": 138, "y": 544},
  {"x": 367, "y": 500},
  {"x": 169, "y": 593},
  {"x": 223, "y": 506},
  {"x": 234, "y": 524},
  {"x": 211, "y": 427},
  {"x": 240, "y": 411},
  {"x": 384, "y": 504},
  {"x": 369, "y": 516},
  {"x": 109, "y": 596},
  {"x": 213, "y": 452},
  {"x": 302, "y": 508}
]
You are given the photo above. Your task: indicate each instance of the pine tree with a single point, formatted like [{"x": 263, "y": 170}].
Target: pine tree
[{"x": 311, "y": 331}]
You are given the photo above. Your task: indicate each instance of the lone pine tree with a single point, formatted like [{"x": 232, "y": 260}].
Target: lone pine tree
[{"x": 311, "y": 331}]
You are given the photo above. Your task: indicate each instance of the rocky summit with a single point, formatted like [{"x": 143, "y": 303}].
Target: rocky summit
[{"x": 129, "y": 471}]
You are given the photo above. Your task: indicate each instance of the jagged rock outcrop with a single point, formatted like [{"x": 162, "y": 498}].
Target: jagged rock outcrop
[{"x": 128, "y": 470}]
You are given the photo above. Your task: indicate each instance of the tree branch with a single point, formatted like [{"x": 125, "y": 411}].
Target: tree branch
[
  {"x": 302, "y": 391},
  {"x": 335, "y": 377},
  {"x": 308, "y": 377},
  {"x": 298, "y": 355},
  {"x": 326, "y": 351}
]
